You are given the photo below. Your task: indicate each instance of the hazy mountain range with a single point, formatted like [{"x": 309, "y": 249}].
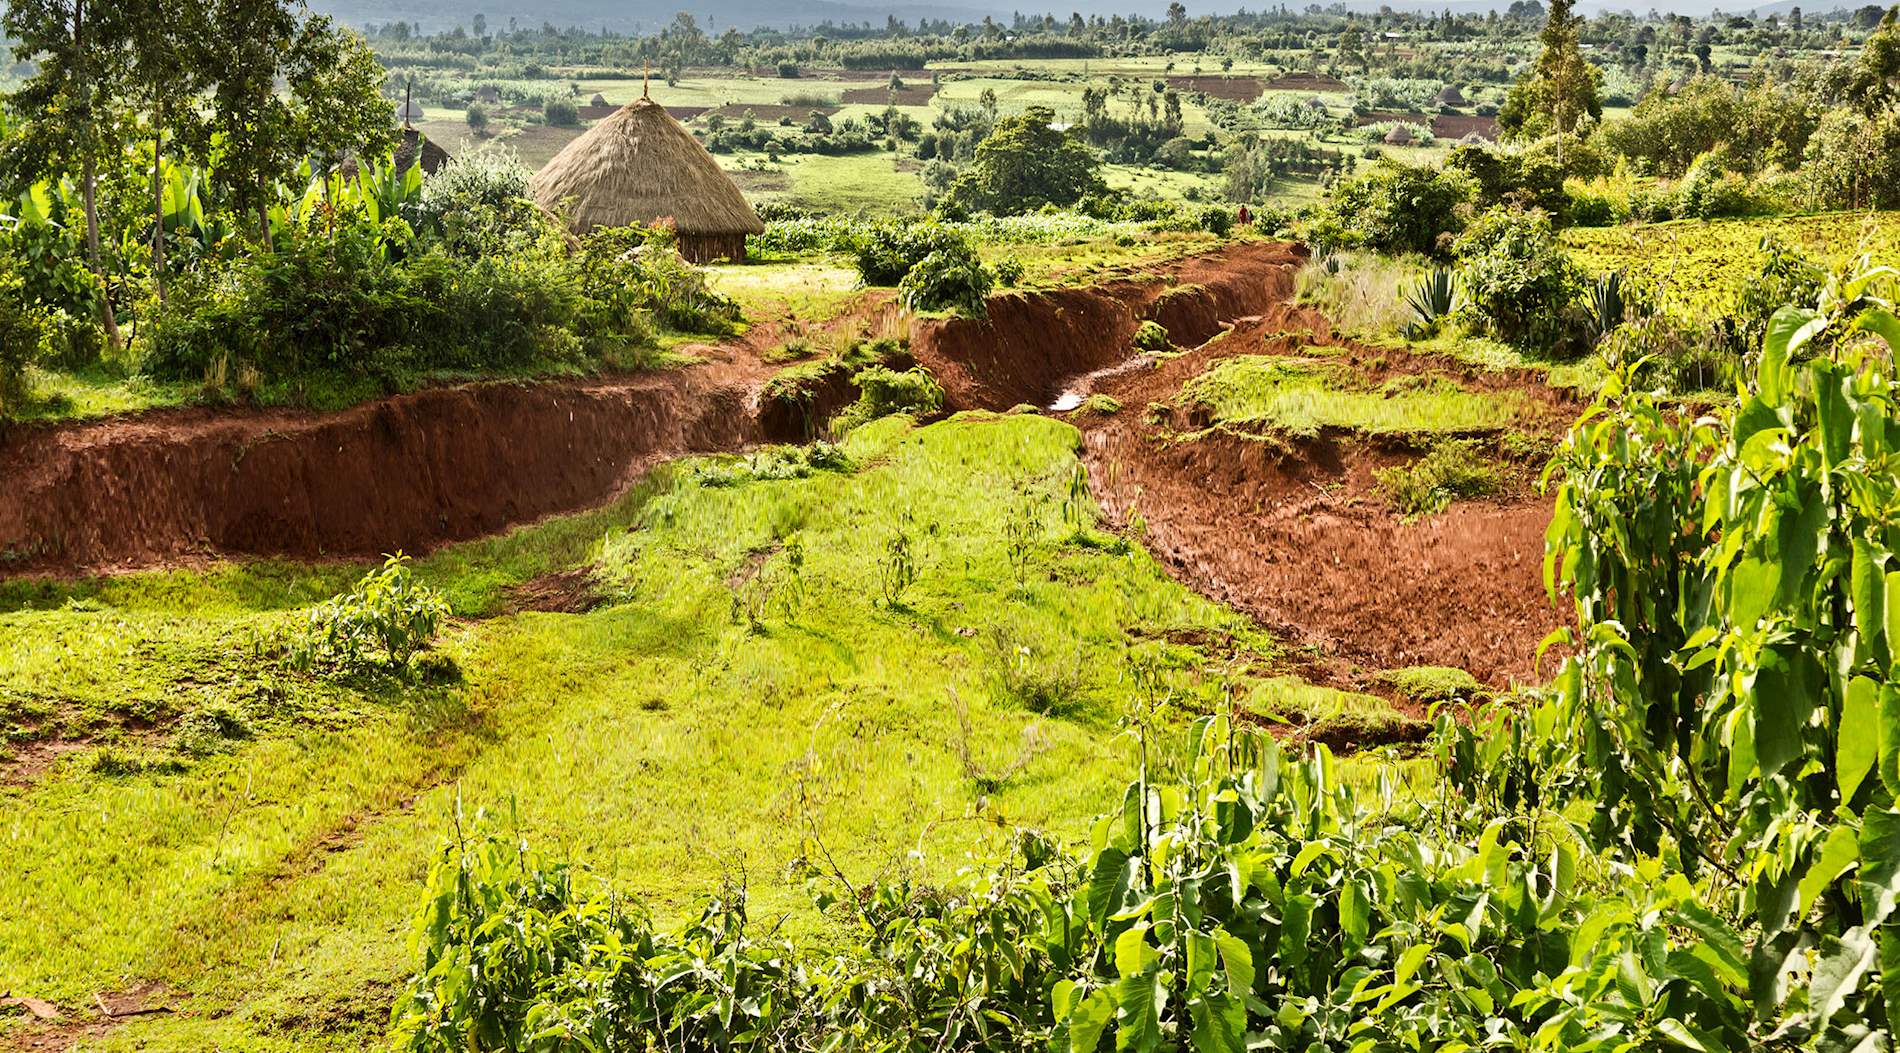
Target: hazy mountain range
[{"x": 718, "y": 15}]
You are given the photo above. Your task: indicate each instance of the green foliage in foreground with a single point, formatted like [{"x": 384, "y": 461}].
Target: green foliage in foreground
[
  {"x": 1235, "y": 900},
  {"x": 950, "y": 279},
  {"x": 663, "y": 736},
  {"x": 1738, "y": 590},
  {"x": 1728, "y": 724},
  {"x": 387, "y": 617},
  {"x": 1268, "y": 395}
]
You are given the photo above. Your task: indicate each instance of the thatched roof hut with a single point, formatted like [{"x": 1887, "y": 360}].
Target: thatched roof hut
[
  {"x": 1398, "y": 136},
  {"x": 642, "y": 166},
  {"x": 1450, "y": 96},
  {"x": 415, "y": 147},
  {"x": 598, "y": 100}
]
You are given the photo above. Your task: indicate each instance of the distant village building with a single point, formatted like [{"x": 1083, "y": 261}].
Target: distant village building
[
  {"x": 1398, "y": 136},
  {"x": 640, "y": 166},
  {"x": 408, "y": 112},
  {"x": 1450, "y": 97}
]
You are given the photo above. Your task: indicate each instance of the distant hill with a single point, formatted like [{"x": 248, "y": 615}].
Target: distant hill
[
  {"x": 626, "y": 16},
  {"x": 623, "y": 16}
]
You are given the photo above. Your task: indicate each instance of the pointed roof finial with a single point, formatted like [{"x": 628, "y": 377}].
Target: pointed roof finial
[
  {"x": 406, "y": 90},
  {"x": 646, "y": 78}
]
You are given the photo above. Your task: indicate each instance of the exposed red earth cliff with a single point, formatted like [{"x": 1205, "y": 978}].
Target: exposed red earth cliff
[{"x": 1293, "y": 533}]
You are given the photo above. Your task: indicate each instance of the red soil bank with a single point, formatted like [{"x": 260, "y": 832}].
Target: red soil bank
[
  {"x": 1032, "y": 342},
  {"x": 1299, "y": 536},
  {"x": 1296, "y": 535},
  {"x": 408, "y": 472}
]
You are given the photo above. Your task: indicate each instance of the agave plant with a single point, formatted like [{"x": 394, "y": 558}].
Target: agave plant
[
  {"x": 1608, "y": 306},
  {"x": 1432, "y": 300}
]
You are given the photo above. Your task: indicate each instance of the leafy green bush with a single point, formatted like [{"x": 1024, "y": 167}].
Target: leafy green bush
[
  {"x": 1008, "y": 271},
  {"x": 561, "y": 113},
  {"x": 345, "y": 303},
  {"x": 952, "y": 278},
  {"x": 1216, "y": 219},
  {"x": 628, "y": 273},
  {"x": 341, "y": 305},
  {"x": 479, "y": 204},
  {"x": 888, "y": 251},
  {"x": 1667, "y": 350},
  {"x": 1595, "y": 205},
  {"x": 1451, "y": 470},
  {"x": 884, "y": 392},
  {"x": 382, "y": 622},
  {"x": 1150, "y": 336},
  {"x": 1520, "y": 285},
  {"x": 1393, "y": 207},
  {"x": 1236, "y": 899},
  {"x": 22, "y": 337},
  {"x": 1708, "y": 191}
]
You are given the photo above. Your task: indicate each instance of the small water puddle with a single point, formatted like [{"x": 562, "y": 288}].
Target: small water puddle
[{"x": 1078, "y": 392}]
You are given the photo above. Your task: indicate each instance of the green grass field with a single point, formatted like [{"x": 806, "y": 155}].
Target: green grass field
[
  {"x": 1301, "y": 396},
  {"x": 255, "y": 838}
]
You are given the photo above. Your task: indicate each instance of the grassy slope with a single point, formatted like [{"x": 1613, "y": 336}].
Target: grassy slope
[
  {"x": 1302, "y": 396},
  {"x": 656, "y": 739}
]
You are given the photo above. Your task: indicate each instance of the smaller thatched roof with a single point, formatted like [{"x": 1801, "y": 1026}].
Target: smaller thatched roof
[
  {"x": 415, "y": 144},
  {"x": 641, "y": 166},
  {"x": 1474, "y": 139},
  {"x": 408, "y": 111},
  {"x": 598, "y": 100},
  {"x": 1450, "y": 96},
  {"x": 1398, "y": 136}
]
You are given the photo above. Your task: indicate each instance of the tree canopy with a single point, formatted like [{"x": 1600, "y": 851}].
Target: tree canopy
[
  {"x": 1025, "y": 164},
  {"x": 1560, "y": 88}
]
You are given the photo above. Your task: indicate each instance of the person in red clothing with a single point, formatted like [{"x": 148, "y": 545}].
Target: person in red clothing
[{"x": 1245, "y": 216}]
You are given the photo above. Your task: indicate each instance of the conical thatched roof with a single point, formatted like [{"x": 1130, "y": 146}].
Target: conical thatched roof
[
  {"x": 415, "y": 147},
  {"x": 1398, "y": 136},
  {"x": 1450, "y": 96},
  {"x": 641, "y": 166}
]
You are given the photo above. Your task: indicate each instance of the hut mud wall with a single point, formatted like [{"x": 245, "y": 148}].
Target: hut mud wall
[{"x": 711, "y": 248}]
